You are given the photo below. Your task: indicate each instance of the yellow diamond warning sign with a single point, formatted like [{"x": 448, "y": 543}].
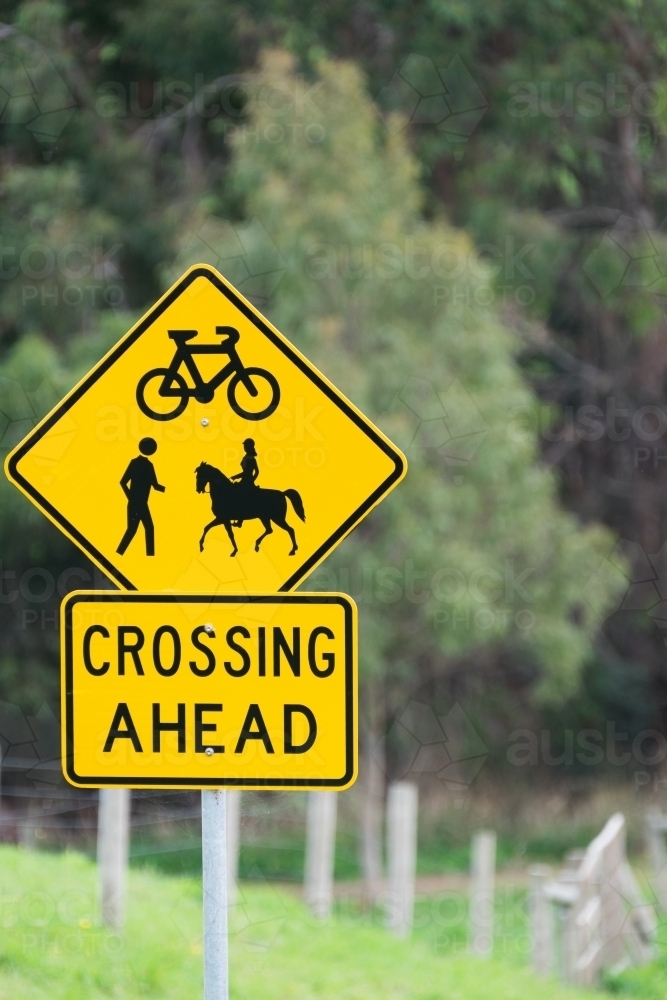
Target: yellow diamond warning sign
[
  {"x": 204, "y": 453},
  {"x": 192, "y": 691}
]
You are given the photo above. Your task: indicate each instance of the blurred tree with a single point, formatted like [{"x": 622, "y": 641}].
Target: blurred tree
[
  {"x": 365, "y": 294},
  {"x": 118, "y": 121},
  {"x": 540, "y": 127}
]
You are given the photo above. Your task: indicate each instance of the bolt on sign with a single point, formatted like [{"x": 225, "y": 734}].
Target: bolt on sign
[
  {"x": 205, "y": 453},
  {"x": 192, "y": 691}
]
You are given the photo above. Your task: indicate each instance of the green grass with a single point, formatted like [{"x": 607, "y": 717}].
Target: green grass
[
  {"x": 52, "y": 948},
  {"x": 646, "y": 983}
]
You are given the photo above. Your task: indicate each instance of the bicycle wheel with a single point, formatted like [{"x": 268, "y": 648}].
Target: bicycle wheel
[
  {"x": 256, "y": 375},
  {"x": 162, "y": 373}
]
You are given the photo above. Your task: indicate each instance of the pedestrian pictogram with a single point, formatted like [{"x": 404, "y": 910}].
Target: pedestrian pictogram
[
  {"x": 204, "y": 453},
  {"x": 222, "y": 691},
  {"x": 137, "y": 483}
]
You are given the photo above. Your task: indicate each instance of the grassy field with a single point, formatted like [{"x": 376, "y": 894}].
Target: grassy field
[{"x": 52, "y": 948}]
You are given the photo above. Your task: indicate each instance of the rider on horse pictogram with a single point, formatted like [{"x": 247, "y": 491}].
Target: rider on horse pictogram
[
  {"x": 238, "y": 498},
  {"x": 245, "y": 479}
]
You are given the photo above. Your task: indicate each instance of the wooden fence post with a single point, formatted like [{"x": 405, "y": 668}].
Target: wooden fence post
[
  {"x": 594, "y": 910},
  {"x": 563, "y": 894},
  {"x": 372, "y": 808},
  {"x": 233, "y": 841},
  {"x": 612, "y": 840},
  {"x": 401, "y": 856},
  {"x": 113, "y": 823},
  {"x": 604, "y": 920},
  {"x": 641, "y": 927},
  {"x": 481, "y": 893},
  {"x": 320, "y": 852},
  {"x": 541, "y": 920},
  {"x": 656, "y": 828},
  {"x": 27, "y": 826}
]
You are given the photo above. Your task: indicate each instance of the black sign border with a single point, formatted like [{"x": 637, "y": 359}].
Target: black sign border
[
  {"x": 287, "y": 350},
  {"x": 109, "y": 597}
]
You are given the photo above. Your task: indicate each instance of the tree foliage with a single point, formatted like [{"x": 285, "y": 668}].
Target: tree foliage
[
  {"x": 365, "y": 295},
  {"x": 396, "y": 253}
]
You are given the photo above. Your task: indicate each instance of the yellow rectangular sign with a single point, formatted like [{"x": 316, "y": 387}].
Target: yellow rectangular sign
[{"x": 191, "y": 691}]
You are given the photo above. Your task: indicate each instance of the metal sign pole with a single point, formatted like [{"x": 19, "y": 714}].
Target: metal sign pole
[
  {"x": 113, "y": 836},
  {"x": 214, "y": 863}
]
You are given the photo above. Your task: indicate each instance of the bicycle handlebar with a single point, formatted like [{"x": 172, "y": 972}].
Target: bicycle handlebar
[{"x": 232, "y": 335}]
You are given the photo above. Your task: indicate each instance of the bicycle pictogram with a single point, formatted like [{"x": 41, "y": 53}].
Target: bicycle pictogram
[{"x": 173, "y": 384}]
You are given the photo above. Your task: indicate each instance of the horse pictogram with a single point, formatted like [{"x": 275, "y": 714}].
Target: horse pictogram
[
  {"x": 232, "y": 504},
  {"x": 173, "y": 385}
]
